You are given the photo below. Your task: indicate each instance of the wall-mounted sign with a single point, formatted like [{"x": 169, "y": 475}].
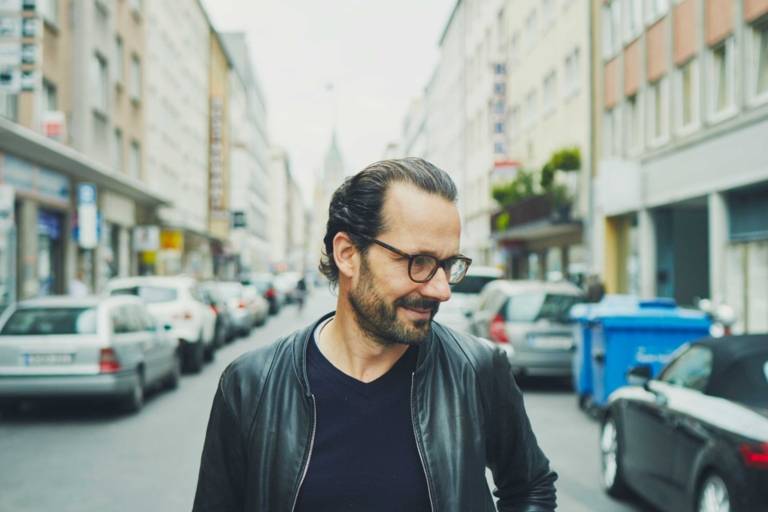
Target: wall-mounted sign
[
  {"x": 87, "y": 216},
  {"x": 172, "y": 240},
  {"x": 239, "y": 219},
  {"x": 146, "y": 238},
  {"x": 499, "y": 110}
]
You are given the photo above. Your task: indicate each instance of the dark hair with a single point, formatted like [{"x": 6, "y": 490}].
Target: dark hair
[{"x": 356, "y": 205}]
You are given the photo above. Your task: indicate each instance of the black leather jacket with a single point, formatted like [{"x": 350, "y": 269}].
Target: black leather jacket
[{"x": 467, "y": 414}]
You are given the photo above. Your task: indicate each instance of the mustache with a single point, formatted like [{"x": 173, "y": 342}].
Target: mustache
[{"x": 418, "y": 303}]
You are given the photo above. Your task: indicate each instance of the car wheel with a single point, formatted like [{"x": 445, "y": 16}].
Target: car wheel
[
  {"x": 135, "y": 399},
  {"x": 610, "y": 459},
  {"x": 713, "y": 495},
  {"x": 195, "y": 356},
  {"x": 175, "y": 376}
]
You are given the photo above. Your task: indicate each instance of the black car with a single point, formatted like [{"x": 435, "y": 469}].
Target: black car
[{"x": 695, "y": 438}]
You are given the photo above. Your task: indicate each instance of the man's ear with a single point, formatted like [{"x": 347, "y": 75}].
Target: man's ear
[{"x": 345, "y": 254}]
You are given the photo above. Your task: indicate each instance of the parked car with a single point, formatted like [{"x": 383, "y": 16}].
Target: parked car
[
  {"x": 287, "y": 283},
  {"x": 529, "y": 319},
  {"x": 696, "y": 437},
  {"x": 265, "y": 283},
  {"x": 455, "y": 313},
  {"x": 256, "y": 304},
  {"x": 90, "y": 347},
  {"x": 179, "y": 302},
  {"x": 243, "y": 318},
  {"x": 224, "y": 328}
]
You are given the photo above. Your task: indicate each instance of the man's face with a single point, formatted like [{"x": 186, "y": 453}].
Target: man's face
[{"x": 387, "y": 304}]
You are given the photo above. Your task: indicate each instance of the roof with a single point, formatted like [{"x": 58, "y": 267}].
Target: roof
[
  {"x": 519, "y": 286},
  {"x": 66, "y": 301},
  {"x": 478, "y": 270},
  {"x": 729, "y": 348}
]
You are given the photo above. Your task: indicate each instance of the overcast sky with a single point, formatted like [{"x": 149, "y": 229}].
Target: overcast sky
[{"x": 378, "y": 54}]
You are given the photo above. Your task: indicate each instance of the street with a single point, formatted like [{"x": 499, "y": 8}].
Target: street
[{"x": 72, "y": 457}]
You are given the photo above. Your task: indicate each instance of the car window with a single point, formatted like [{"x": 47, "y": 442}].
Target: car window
[
  {"x": 148, "y": 322},
  {"x": 149, "y": 294},
  {"x": 230, "y": 290},
  {"x": 691, "y": 369},
  {"x": 472, "y": 284},
  {"x": 745, "y": 381},
  {"x": 530, "y": 307},
  {"x": 42, "y": 321},
  {"x": 126, "y": 319}
]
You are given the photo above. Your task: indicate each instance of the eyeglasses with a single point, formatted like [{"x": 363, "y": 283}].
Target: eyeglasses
[{"x": 423, "y": 267}]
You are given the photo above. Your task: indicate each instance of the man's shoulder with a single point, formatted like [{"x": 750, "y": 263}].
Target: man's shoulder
[
  {"x": 244, "y": 379},
  {"x": 477, "y": 352}
]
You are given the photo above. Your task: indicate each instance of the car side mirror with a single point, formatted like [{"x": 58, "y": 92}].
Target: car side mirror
[
  {"x": 640, "y": 375},
  {"x": 469, "y": 313},
  {"x": 167, "y": 327}
]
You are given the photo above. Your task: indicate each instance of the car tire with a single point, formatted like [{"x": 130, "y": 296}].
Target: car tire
[
  {"x": 209, "y": 351},
  {"x": 134, "y": 401},
  {"x": 175, "y": 376},
  {"x": 611, "y": 468},
  {"x": 714, "y": 494},
  {"x": 195, "y": 356}
]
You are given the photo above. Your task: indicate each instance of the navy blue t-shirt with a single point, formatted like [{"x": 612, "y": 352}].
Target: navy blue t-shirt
[{"x": 364, "y": 456}]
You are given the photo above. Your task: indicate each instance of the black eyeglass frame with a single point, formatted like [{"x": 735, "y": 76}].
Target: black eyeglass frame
[{"x": 444, "y": 264}]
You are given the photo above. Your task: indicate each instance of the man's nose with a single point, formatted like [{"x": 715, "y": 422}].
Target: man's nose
[{"x": 437, "y": 288}]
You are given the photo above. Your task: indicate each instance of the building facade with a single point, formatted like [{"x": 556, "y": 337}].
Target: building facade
[
  {"x": 68, "y": 158},
  {"x": 250, "y": 168},
  {"x": 280, "y": 177},
  {"x": 682, "y": 184}
]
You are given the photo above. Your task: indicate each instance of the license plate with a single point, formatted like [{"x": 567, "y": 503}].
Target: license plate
[
  {"x": 47, "y": 359},
  {"x": 551, "y": 342}
]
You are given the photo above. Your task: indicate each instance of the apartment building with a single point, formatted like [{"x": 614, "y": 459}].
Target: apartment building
[{"x": 682, "y": 184}]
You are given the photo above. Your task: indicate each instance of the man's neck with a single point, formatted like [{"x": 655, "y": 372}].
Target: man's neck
[{"x": 354, "y": 353}]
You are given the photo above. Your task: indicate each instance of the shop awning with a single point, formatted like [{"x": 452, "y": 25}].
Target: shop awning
[{"x": 34, "y": 147}]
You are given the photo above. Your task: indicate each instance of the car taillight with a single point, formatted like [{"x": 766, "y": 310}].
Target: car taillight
[
  {"x": 242, "y": 304},
  {"x": 108, "y": 362},
  {"x": 270, "y": 294},
  {"x": 755, "y": 456},
  {"x": 214, "y": 309},
  {"x": 186, "y": 315},
  {"x": 497, "y": 331}
]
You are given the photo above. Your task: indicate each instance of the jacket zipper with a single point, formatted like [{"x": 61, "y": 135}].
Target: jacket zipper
[
  {"x": 309, "y": 455},
  {"x": 418, "y": 442}
]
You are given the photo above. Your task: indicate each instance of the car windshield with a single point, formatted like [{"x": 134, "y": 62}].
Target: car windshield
[
  {"x": 472, "y": 284},
  {"x": 50, "y": 321},
  {"x": 530, "y": 307},
  {"x": 149, "y": 294}
]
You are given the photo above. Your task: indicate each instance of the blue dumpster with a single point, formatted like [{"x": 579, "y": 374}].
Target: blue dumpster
[
  {"x": 584, "y": 315},
  {"x": 649, "y": 333}
]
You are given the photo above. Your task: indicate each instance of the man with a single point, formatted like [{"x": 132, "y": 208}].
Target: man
[{"x": 375, "y": 407}]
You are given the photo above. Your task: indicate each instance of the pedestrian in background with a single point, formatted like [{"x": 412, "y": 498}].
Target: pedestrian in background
[
  {"x": 77, "y": 286},
  {"x": 375, "y": 407}
]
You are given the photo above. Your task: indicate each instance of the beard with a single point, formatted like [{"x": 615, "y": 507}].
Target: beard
[{"x": 378, "y": 319}]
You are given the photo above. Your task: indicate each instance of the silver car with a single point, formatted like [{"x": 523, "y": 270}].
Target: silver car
[
  {"x": 529, "y": 320},
  {"x": 456, "y": 312},
  {"x": 92, "y": 347}
]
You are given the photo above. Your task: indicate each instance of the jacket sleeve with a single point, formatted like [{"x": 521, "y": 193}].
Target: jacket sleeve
[
  {"x": 521, "y": 472},
  {"x": 220, "y": 484}
]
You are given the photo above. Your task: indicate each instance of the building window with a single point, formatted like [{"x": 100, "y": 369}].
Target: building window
[
  {"x": 530, "y": 109},
  {"x": 658, "y": 107},
  {"x": 610, "y": 135},
  {"x": 49, "y": 10},
  {"x": 549, "y": 93},
  {"x": 548, "y": 11},
  {"x": 134, "y": 162},
  {"x": 514, "y": 122},
  {"x": 611, "y": 29},
  {"x": 655, "y": 9},
  {"x": 759, "y": 55},
  {"x": 634, "y": 126},
  {"x": 572, "y": 73},
  {"x": 531, "y": 28},
  {"x": 633, "y": 20},
  {"x": 721, "y": 79},
  {"x": 50, "y": 96},
  {"x": 117, "y": 154},
  {"x": 100, "y": 83},
  {"x": 119, "y": 60},
  {"x": 135, "y": 78},
  {"x": 687, "y": 96}
]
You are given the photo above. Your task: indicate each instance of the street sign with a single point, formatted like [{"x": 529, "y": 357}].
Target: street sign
[
  {"x": 87, "y": 216},
  {"x": 146, "y": 238}
]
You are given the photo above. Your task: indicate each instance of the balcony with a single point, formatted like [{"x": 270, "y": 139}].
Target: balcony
[{"x": 534, "y": 217}]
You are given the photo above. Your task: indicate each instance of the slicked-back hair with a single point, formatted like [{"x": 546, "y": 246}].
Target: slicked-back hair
[{"x": 356, "y": 206}]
